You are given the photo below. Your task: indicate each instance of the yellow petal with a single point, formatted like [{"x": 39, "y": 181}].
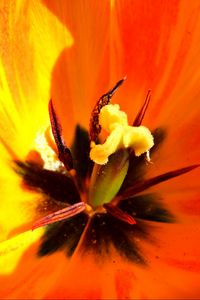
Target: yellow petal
[{"x": 28, "y": 55}]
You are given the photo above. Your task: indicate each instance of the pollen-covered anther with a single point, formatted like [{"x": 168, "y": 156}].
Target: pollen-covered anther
[{"x": 121, "y": 135}]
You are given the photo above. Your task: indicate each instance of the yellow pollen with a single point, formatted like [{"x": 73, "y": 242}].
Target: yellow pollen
[
  {"x": 121, "y": 135},
  {"x": 47, "y": 153}
]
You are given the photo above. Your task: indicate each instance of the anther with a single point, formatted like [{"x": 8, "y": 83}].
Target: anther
[
  {"x": 64, "y": 153},
  {"x": 95, "y": 127}
]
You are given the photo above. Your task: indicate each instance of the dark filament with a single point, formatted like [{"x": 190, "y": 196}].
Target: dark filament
[
  {"x": 119, "y": 214},
  {"x": 140, "y": 187},
  {"x": 142, "y": 111}
]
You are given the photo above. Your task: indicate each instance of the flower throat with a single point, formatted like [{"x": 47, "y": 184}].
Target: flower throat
[{"x": 102, "y": 186}]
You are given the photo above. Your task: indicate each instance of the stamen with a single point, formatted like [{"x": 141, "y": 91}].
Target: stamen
[
  {"x": 115, "y": 88},
  {"x": 140, "y": 116},
  {"x": 155, "y": 180},
  {"x": 64, "y": 153},
  {"x": 119, "y": 214},
  {"x": 60, "y": 215},
  {"x": 121, "y": 135},
  {"x": 95, "y": 127}
]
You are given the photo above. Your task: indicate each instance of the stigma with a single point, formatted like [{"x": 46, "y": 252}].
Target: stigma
[{"x": 120, "y": 135}]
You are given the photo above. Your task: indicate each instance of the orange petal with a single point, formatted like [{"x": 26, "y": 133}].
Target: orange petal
[
  {"x": 157, "y": 46},
  {"x": 80, "y": 73}
]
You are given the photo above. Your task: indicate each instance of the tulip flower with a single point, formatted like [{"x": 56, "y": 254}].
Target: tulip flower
[{"x": 99, "y": 114}]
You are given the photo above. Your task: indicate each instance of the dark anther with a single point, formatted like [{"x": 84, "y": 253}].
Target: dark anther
[
  {"x": 64, "y": 153},
  {"x": 95, "y": 128}
]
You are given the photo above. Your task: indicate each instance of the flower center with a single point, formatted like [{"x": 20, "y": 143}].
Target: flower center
[
  {"x": 93, "y": 188},
  {"x": 111, "y": 158}
]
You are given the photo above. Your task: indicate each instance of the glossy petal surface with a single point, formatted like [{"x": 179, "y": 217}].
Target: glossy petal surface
[{"x": 74, "y": 51}]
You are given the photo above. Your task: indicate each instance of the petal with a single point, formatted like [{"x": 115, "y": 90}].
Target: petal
[
  {"x": 80, "y": 72},
  {"x": 158, "y": 44},
  {"x": 24, "y": 93},
  {"x": 170, "y": 273},
  {"x": 157, "y": 47},
  {"x": 32, "y": 282},
  {"x": 174, "y": 263},
  {"x": 13, "y": 249},
  {"x": 25, "y": 76},
  {"x": 159, "y": 50}
]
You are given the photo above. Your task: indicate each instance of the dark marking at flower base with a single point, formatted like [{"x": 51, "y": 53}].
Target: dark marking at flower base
[
  {"x": 55, "y": 185},
  {"x": 159, "y": 135},
  {"x": 80, "y": 151},
  {"x": 147, "y": 207},
  {"x": 63, "y": 235},
  {"x": 106, "y": 231}
]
